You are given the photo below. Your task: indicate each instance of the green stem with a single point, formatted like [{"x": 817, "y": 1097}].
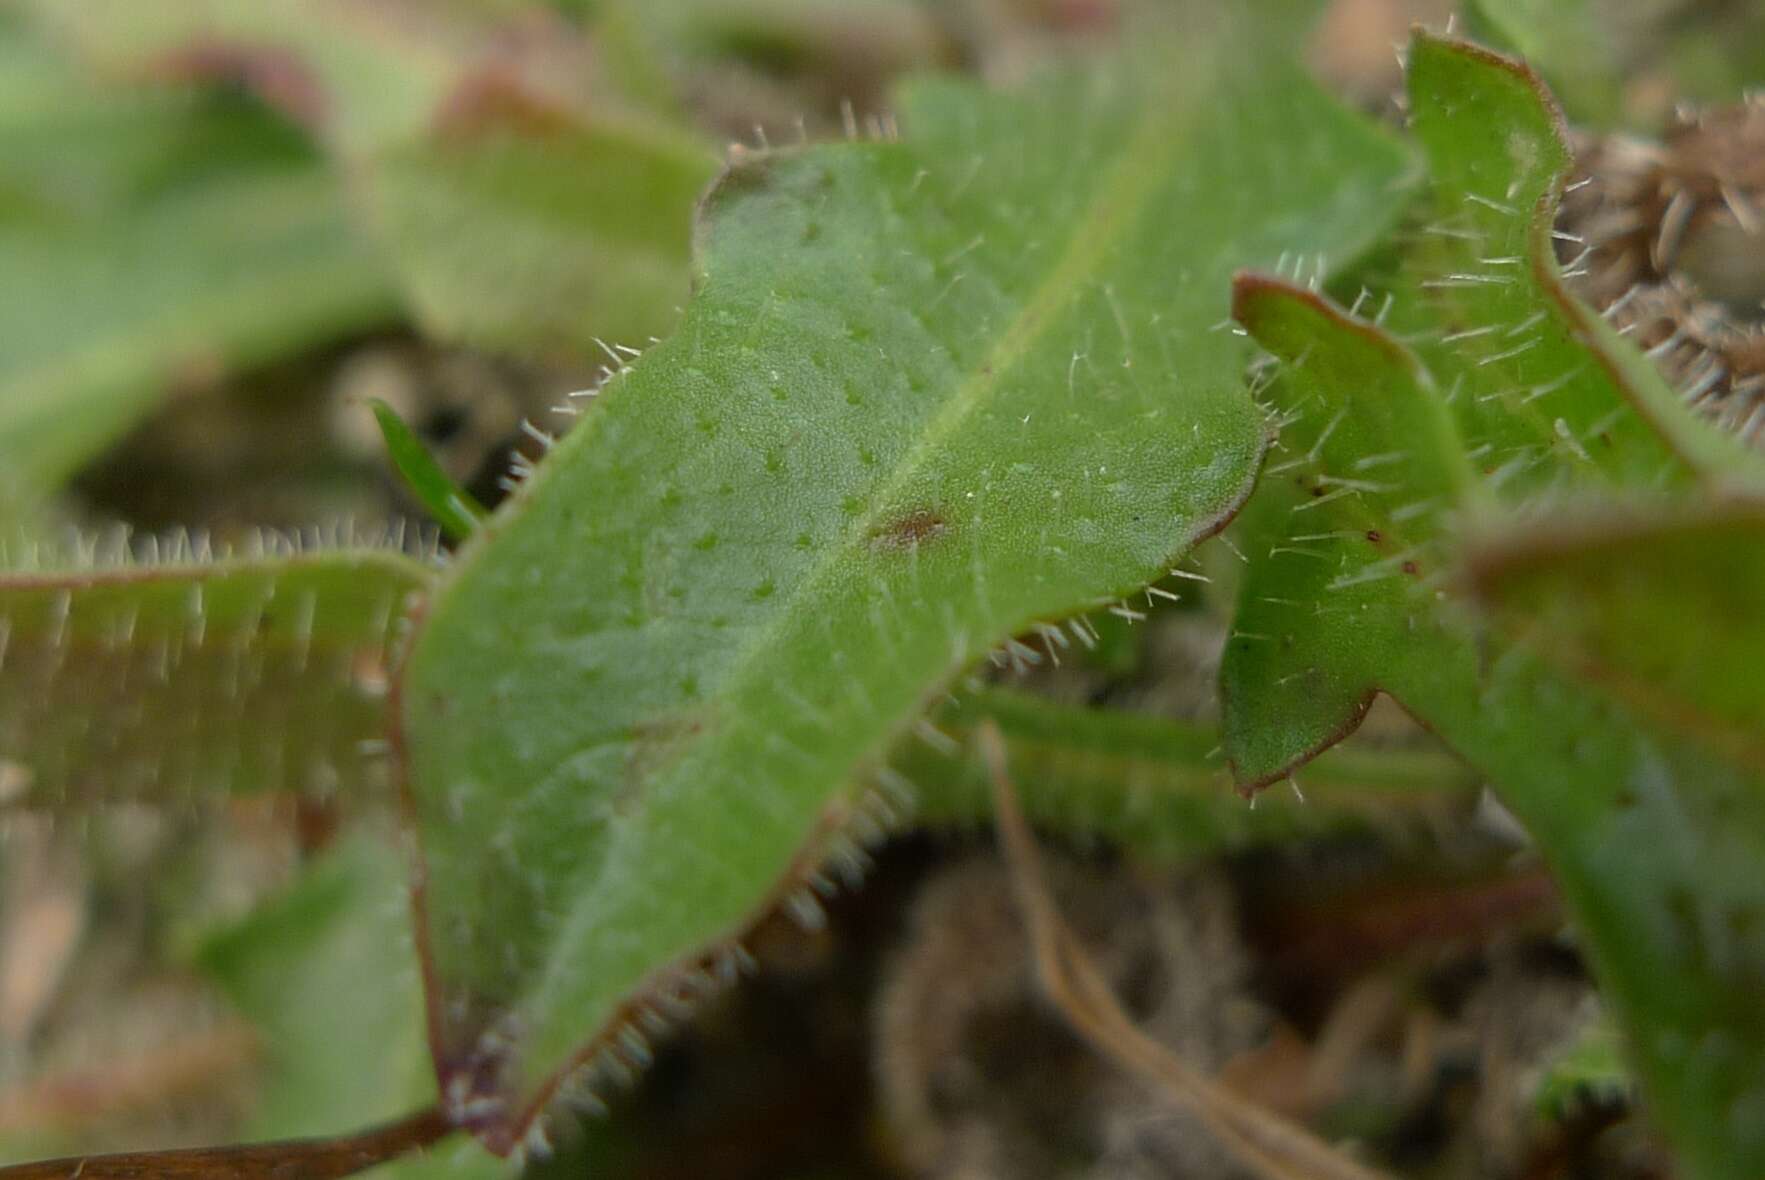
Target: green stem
[
  {"x": 1658, "y": 849},
  {"x": 1160, "y": 787}
]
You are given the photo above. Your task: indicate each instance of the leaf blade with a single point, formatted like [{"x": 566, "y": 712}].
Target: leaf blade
[
  {"x": 1649, "y": 836},
  {"x": 453, "y": 508},
  {"x": 875, "y": 446},
  {"x": 1547, "y": 395},
  {"x": 1660, "y": 608},
  {"x": 176, "y": 683}
]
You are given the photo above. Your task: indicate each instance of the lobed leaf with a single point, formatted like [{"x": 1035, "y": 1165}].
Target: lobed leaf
[
  {"x": 1654, "y": 840},
  {"x": 1546, "y": 394},
  {"x": 1649, "y": 833},
  {"x": 174, "y": 682},
  {"x": 1344, "y": 533},
  {"x": 929, "y": 392},
  {"x": 1666, "y": 611}
]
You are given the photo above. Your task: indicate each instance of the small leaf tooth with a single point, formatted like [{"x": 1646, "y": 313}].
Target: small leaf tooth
[
  {"x": 898, "y": 791},
  {"x": 609, "y": 1065},
  {"x": 725, "y": 968},
  {"x": 806, "y": 911},
  {"x": 936, "y": 738},
  {"x": 536, "y": 1144},
  {"x": 577, "y": 1093},
  {"x": 635, "y": 1047}
]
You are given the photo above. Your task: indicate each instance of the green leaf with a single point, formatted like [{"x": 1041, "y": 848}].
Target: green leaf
[
  {"x": 929, "y": 393},
  {"x": 1716, "y": 59},
  {"x": 1343, "y": 534},
  {"x": 519, "y": 202},
  {"x": 1568, "y": 41},
  {"x": 1663, "y": 610},
  {"x": 541, "y": 234},
  {"x": 1159, "y": 787},
  {"x": 452, "y": 506},
  {"x": 1545, "y": 393},
  {"x": 327, "y": 974},
  {"x": 1655, "y": 841},
  {"x": 151, "y": 240},
  {"x": 179, "y": 681}
]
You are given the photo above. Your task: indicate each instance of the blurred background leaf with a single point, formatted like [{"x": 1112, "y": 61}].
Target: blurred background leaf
[
  {"x": 340, "y": 929},
  {"x": 180, "y": 682},
  {"x": 152, "y": 241},
  {"x": 519, "y": 200}
]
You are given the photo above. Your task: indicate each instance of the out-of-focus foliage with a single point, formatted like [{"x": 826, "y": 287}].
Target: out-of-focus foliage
[
  {"x": 199, "y": 677},
  {"x": 153, "y": 238},
  {"x": 518, "y": 198},
  {"x": 325, "y": 972}
]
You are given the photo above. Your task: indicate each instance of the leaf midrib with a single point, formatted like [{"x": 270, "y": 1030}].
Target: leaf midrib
[
  {"x": 1145, "y": 156},
  {"x": 1123, "y": 194}
]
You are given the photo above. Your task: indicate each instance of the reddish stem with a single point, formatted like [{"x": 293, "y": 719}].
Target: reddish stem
[{"x": 290, "y": 1159}]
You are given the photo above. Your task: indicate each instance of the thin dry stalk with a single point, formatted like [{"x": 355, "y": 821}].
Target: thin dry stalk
[{"x": 1266, "y": 1143}]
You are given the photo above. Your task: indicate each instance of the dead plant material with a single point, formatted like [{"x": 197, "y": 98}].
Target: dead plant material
[
  {"x": 1667, "y": 240},
  {"x": 1271, "y": 1146}
]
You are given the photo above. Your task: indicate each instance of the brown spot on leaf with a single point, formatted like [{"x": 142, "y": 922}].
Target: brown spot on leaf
[
  {"x": 909, "y": 530},
  {"x": 655, "y": 744}
]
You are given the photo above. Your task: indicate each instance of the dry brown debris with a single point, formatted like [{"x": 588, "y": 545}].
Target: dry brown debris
[{"x": 1671, "y": 245}]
